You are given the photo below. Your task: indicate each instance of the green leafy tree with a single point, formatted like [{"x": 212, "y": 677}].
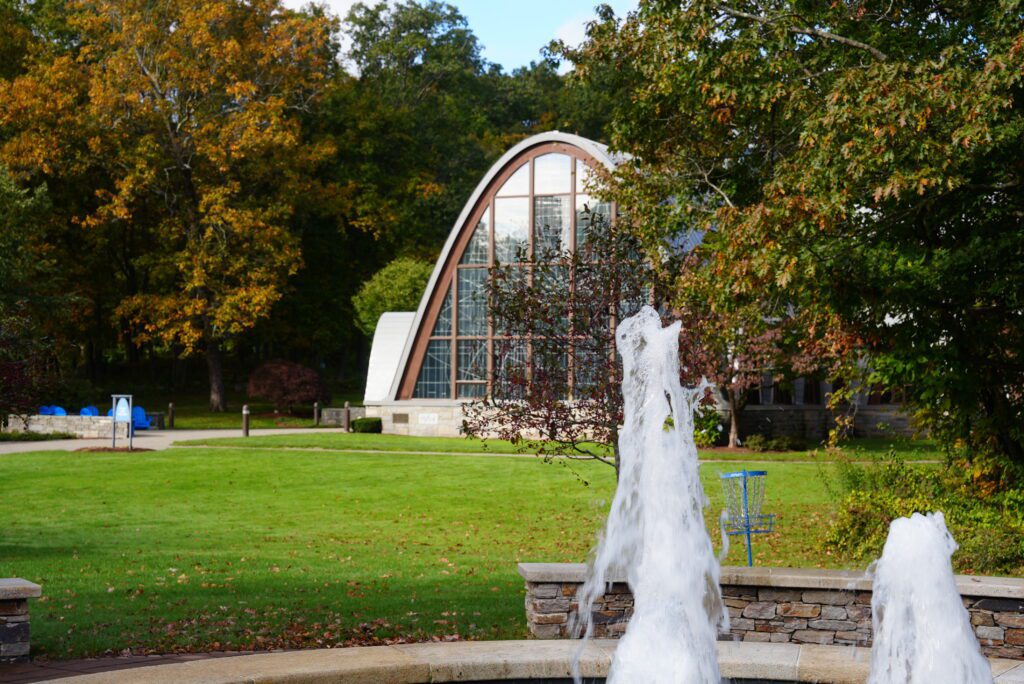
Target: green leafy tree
[
  {"x": 189, "y": 110},
  {"x": 26, "y": 356},
  {"x": 859, "y": 164},
  {"x": 396, "y": 287}
]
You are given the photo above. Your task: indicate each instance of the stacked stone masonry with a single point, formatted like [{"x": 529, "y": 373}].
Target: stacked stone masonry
[
  {"x": 14, "y": 623},
  {"x": 778, "y": 614},
  {"x": 83, "y": 427},
  {"x": 335, "y": 417},
  {"x": 428, "y": 418},
  {"x": 814, "y": 422}
]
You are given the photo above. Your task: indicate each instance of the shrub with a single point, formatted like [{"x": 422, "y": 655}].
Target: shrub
[
  {"x": 707, "y": 426},
  {"x": 286, "y": 383},
  {"x": 396, "y": 287},
  {"x": 787, "y": 443},
  {"x": 763, "y": 443},
  {"x": 374, "y": 425},
  {"x": 756, "y": 443},
  {"x": 34, "y": 436},
  {"x": 988, "y": 525}
]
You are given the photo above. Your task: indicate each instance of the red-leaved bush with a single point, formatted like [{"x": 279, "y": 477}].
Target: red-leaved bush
[{"x": 286, "y": 383}]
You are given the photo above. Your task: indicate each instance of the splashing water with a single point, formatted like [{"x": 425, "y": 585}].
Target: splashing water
[
  {"x": 655, "y": 531},
  {"x": 922, "y": 631}
]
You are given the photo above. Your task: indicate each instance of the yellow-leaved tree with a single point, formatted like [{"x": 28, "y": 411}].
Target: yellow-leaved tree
[{"x": 184, "y": 116}]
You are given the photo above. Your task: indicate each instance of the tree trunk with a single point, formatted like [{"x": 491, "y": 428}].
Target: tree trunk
[
  {"x": 734, "y": 419},
  {"x": 615, "y": 450},
  {"x": 215, "y": 365}
]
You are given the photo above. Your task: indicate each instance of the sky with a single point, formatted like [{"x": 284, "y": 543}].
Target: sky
[{"x": 513, "y": 32}]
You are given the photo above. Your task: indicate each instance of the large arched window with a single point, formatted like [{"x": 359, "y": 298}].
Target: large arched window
[{"x": 536, "y": 205}]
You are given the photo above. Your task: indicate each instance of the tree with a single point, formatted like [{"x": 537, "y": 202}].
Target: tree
[
  {"x": 398, "y": 286},
  {"x": 26, "y": 358},
  {"x": 857, "y": 165},
  {"x": 557, "y": 379},
  {"x": 189, "y": 108},
  {"x": 285, "y": 384}
]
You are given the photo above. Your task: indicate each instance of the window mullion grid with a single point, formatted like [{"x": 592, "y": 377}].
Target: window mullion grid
[
  {"x": 532, "y": 224},
  {"x": 490, "y": 318},
  {"x": 453, "y": 351},
  {"x": 571, "y": 352}
]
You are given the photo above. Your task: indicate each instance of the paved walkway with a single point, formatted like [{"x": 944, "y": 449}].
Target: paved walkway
[
  {"x": 41, "y": 671},
  {"x": 152, "y": 439}
]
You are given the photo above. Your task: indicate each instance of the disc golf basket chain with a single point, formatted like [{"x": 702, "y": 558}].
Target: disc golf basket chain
[{"x": 744, "y": 495}]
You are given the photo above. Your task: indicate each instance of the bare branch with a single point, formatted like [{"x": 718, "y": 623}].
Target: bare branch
[{"x": 808, "y": 31}]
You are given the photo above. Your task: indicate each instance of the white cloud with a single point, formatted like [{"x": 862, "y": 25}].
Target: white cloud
[{"x": 573, "y": 31}]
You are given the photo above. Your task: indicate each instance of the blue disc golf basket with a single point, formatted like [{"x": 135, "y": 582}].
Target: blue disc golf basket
[{"x": 744, "y": 494}]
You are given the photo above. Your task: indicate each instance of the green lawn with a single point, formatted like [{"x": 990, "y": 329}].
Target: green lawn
[
  {"x": 203, "y": 549},
  {"x": 859, "y": 449},
  {"x": 360, "y": 441}
]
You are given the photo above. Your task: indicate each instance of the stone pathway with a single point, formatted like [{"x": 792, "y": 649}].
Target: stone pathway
[
  {"x": 157, "y": 440},
  {"x": 42, "y": 671}
]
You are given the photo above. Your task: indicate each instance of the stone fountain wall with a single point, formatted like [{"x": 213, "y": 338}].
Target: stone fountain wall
[{"x": 780, "y": 605}]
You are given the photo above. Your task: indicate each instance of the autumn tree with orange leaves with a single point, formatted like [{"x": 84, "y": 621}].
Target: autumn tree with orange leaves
[{"x": 182, "y": 119}]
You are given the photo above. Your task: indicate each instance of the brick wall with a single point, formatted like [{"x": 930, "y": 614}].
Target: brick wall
[{"x": 769, "y": 605}]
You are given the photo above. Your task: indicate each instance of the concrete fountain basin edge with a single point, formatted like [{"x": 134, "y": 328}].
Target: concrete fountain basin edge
[{"x": 495, "y": 661}]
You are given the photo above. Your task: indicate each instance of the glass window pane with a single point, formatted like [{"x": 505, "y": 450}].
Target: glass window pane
[
  {"x": 513, "y": 282},
  {"x": 552, "y": 174},
  {"x": 589, "y": 213},
  {"x": 509, "y": 368},
  {"x": 551, "y": 226},
  {"x": 511, "y": 229},
  {"x": 476, "y": 250},
  {"x": 434, "y": 381},
  {"x": 518, "y": 183},
  {"x": 472, "y": 318},
  {"x": 472, "y": 360},
  {"x": 590, "y": 364},
  {"x": 584, "y": 176},
  {"x": 471, "y": 390},
  {"x": 443, "y": 326}
]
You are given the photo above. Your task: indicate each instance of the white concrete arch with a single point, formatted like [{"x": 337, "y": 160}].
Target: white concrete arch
[{"x": 594, "y": 149}]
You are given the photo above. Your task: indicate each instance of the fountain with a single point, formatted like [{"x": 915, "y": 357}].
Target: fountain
[
  {"x": 655, "y": 531},
  {"x": 922, "y": 631}
]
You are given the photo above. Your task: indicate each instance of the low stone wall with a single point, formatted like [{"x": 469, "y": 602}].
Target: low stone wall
[
  {"x": 443, "y": 419},
  {"x": 778, "y": 605},
  {"x": 814, "y": 422},
  {"x": 14, "y": 623},
  {"x": 335, "y": 417},
  {"x": 83, "y": 427}
]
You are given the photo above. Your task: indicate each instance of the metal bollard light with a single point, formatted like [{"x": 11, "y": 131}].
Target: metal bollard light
[
  {"x": 170, "y": 416},
  {"x": 316, "y": 413},
  {"x": 245, "y": 420},
  {"x": 346, "y": 419}
]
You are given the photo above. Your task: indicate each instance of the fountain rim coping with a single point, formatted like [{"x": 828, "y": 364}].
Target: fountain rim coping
[
  {"x": 501, "y": 660},
  {"x": 785, "y": 578}
]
